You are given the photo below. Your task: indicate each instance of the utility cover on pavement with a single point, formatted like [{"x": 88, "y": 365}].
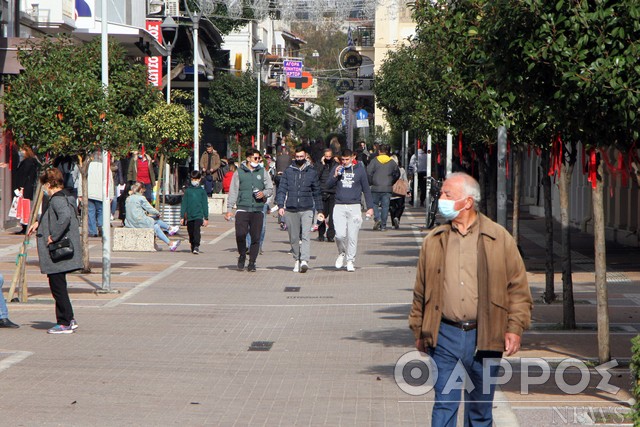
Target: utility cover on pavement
[
  {"x": 292, "y": 289},
  {"x": 261, "y": 346}
]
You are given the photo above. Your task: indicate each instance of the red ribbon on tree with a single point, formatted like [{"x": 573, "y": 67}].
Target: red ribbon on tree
[
  {"x": 10, "y": 139},
  {"x": 418, "y": 145},
  {"x": 593, "y": 173},
  {"x": 556, "y": 156},
  {"x": 439, "y": 157},
  {"x": 460, "y": 146}
]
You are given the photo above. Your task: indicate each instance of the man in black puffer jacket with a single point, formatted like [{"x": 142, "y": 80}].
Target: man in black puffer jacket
[{"x": 299, "y": 194}]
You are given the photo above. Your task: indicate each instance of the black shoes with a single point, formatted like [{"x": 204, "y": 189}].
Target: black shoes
[
  {"x": 251, "y": 267},
  {"x": 196, "y": 250},
  {"x": 320, "y": 238},
  {"x": 241, "y": 260},
  {"x": 6, "y": 323},
  {"x": 329, "y": 239},
  {"x": 396, "y": 223}
]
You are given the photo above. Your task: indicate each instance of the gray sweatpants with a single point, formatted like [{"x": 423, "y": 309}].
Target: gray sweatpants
[
  {"x": 299, "y": 227},
  {"x": 347, "y": 220}
]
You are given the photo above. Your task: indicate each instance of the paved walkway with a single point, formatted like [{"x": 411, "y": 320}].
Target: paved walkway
[{"x": 191, "y": 341}]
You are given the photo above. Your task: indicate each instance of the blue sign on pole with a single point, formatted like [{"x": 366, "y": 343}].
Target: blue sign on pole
[
  {"x": 362, "y": 115},
  {"x": 292, "y": 68}
]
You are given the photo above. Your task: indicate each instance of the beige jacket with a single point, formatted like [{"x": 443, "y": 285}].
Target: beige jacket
[{"x": 504, "y": 298}]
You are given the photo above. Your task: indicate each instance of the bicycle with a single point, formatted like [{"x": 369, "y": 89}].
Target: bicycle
[{"x": 434, "y": 187}]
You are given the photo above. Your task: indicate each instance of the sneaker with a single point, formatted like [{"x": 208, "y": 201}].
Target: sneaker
[
  {"x": 396, "y": 223},
  {"x": 174, "y": 246},
  {"x": 329, "y": 239},
  {"x": 196, "y": 250},
  {"x": 383, "y": 228},
  {"x": 350, "y": 267},
  {"x": 304, "y": 267},
  {"x": 377, "y": 225},
  {"x": 340, "y": 261},
  {"x": 251, "y": 267},
  {"x": 61, "y": 329},
  {"x": 241, "y": 260},
  {"x": 296, "y": 267},
  {"x": 73, "y": 324},
  {"x": 173, "y": 230}
]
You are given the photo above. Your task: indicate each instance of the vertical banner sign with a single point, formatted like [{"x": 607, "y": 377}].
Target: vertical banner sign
[{"x": 154, "y": 63}]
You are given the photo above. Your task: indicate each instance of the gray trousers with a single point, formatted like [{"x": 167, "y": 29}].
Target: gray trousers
[
  {"x": 299, "y": 227},
  {"x": 347, "y": 220}
]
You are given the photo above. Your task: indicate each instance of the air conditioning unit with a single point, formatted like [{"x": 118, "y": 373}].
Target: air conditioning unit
[
  {"x": 172, "y": 7},
  {"x": 155, "y": 7}
]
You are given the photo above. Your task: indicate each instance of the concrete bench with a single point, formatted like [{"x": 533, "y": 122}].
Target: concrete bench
[
  {"x": 218, "y": 204},
  {"x": 133, "y": 239}
]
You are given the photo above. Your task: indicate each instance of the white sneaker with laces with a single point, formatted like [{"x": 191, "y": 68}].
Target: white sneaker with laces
[
  {"x": 350, "y": 267},
  {"x": 173, "y": 230},
  {"x": 296, "y": 267},
  {"x": 340, "y": 261},
  {"x": 175, "y": 245},
  {"x": 304, "y": 267}
]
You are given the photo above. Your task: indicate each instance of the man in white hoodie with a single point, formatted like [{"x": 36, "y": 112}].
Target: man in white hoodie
[{"x": 95, "y": 180}]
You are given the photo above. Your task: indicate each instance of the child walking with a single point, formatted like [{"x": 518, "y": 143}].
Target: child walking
[{"x": 194, "y": 211}]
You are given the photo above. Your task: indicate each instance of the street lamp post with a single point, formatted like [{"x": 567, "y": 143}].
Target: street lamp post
[
  {"x": 170, "y": 28},
  {"x": 259, "y": 49}
]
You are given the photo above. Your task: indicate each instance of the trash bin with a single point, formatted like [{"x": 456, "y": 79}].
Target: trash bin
[{"x": 170, "y": 208}]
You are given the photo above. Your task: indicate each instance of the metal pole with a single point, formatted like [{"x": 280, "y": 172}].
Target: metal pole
[
  {"x": 106, "y": 203},
  {"x": 258, "y": 107},
  {"x": 502, "y": 176},
  {"x": 196, "y": 118},
  {"x": 427, "y": 202},
  {"x": 169, "y": 73},
  {"x": 416, "y": 178},
  {"x": 449, "y": 151}
]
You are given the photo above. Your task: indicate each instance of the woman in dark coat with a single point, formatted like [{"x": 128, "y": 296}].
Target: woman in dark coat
[
  {"x": 58, "y": 220},
  {"x": 25, "y": 181}
]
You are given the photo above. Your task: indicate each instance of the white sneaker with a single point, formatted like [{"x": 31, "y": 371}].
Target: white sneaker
[
  {"x": 304, "y": 267},
  {"x": 296, "y": 267},
  {"x": 350, "y": 267},
  {"x": 174, "y": 245},
  {"x": 340, "y": 261},
  {"x": 174, "y": 230}
]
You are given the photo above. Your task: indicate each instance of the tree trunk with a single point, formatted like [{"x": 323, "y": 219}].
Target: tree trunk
[
  {"x": 549, "y": 294},
  {"x": 492, "y": 186},
  {"x": 568, "y": 305},
  {"x": 604, "y": 351},
  {"x": 517, "y": 182},
  {"x": 159, "y": 180},
  {"x": 19, "y": 280},
  {"x": 482, "y": 180},
  {"x": 84, "y": 171}
]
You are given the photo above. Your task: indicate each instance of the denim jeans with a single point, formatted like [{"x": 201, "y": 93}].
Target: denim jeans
[
  {"x": 4, "y": 311},
  {"x": 160, "y": 227},
  {"x": 95, "y": 216},
  {"x": 456, "y": 358},
  {"x": 381, "y": 207}
]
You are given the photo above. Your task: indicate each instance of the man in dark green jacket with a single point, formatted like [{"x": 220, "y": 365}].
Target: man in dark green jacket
[
  {"x": 194, "y": 211},
  {"x": 250, "y": 187}
]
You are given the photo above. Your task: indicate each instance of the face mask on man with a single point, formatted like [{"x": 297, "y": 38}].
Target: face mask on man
[
  {"x": 300, "y": 162},
  {"x": 195, "y": 183},
  {"x": 447, "y": 210},
  {"x": 254, "y": 164}
]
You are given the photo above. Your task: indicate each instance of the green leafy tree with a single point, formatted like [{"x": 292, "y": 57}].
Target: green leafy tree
[
  {"x": 58, "y": 105},
  {"x": 232, "y": 106}
]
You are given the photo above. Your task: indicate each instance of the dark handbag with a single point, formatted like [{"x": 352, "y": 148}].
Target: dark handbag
[{"x": 61, "y": 250}]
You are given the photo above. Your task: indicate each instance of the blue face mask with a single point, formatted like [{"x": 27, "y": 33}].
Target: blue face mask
[{"x": 446, "y": 209}]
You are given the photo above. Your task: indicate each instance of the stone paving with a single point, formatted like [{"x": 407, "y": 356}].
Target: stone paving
[{"x": 191, "y": 341}]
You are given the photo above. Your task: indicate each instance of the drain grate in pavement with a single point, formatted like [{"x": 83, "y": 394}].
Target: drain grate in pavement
[
  {"x": 261, "y": 346},
  {"x": 292, "y": 289},
  {"x": 308, "y": 297}
]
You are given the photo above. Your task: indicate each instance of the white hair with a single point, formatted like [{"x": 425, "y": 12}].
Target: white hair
[{"x": 470, "y": 187}]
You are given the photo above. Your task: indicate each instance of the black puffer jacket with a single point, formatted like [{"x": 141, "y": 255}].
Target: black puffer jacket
[{"x": 299, "y": 189}]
